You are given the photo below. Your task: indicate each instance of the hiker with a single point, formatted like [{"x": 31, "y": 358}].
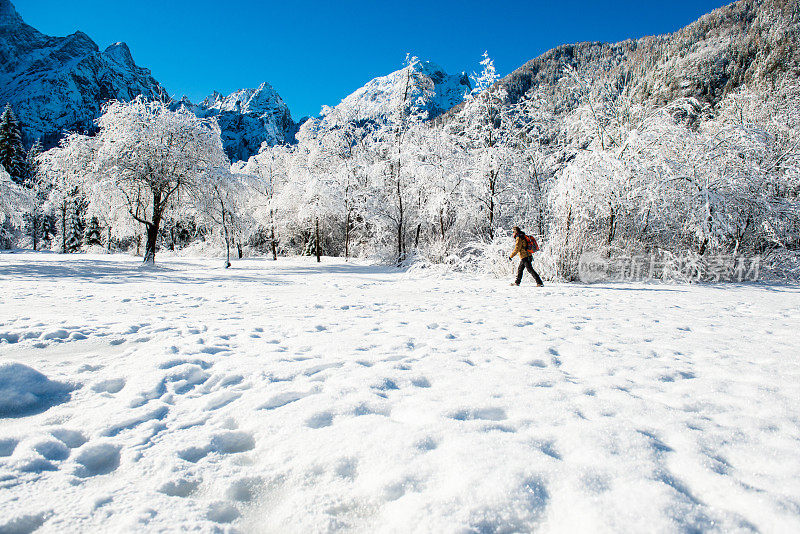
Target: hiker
[{"x": 525, "y": 246}]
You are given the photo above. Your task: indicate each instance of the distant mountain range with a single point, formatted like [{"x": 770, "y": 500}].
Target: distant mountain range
[{"x": 59, "y": 84}]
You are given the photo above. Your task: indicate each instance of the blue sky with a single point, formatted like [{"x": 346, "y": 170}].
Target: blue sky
[{"x": 317, "y": 52}]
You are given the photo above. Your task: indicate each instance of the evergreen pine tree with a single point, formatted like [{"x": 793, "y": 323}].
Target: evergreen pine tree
[
  {"x": 7, "y": 234},
  {"x": 49, "y": 229},
  {"x": 93, "y": 236},
  {"x": 12, "y": 152},
  {"x": 75, "y": 225},
  {"x": 32, "y": 164},
  {"x": 74, "y": 233}
]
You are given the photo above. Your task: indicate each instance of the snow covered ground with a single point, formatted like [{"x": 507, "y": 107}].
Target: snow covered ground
[{"x": 296, "y": 397}]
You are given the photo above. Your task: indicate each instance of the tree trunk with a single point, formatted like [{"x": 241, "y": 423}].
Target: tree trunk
[
  {"x": 227, "y": 237},
  {"x": 64, "y": 228},
  {"x": 35, "y": 230},
  {"x": 108, "y": 240},
  {"x": 152, "y": 230},
  {"x": 611, "y": 228},
  {"x": 492, "y": 186},
  {"x": 150, "y": 245},
  {"x": 274, "y": 247},
  {"x": 239, "y": 250},
  {"x": 316, "y": 240},
  {"x": 400, "y": 230},
  {"x": 416, "y": 238},
  {"x": 347, "y": 236}
]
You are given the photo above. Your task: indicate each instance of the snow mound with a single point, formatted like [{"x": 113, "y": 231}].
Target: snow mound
[
  {"x": 97, "y": 459},
  {"x": 25, "y": 391}
]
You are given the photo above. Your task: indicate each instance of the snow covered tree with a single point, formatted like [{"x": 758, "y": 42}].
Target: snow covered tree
[
  {"x": 92, "y": 236},
  {"x": 408, "y": 112},
  {"x": 345, "y": 148},
  {"x": 66, "y": 170},
  {"x": 38, "y": 222},
  {"x": 12, "y": 152},
  {"x": 75, "y": 225},
  {"x": 153, "y": 161},
  {"x": 268, "y": 172},
  {"x": 15, "y": 200},
  {"x": 487, "y": 136},
  {"x": 222, "y": 198},
  {"x": 32, "y": 162}
]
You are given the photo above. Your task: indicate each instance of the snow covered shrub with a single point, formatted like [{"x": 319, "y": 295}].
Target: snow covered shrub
[
  {"x": 486, "y": 258},
  {"x": 780, "y": 266}
]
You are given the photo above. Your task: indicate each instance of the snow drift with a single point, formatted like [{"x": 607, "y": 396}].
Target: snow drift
[{"x": 25, "y": 391}]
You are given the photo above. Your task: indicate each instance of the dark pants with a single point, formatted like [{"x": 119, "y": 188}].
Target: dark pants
[{"x": 527, "y": 263}]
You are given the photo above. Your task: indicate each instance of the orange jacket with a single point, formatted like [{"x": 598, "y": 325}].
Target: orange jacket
[{"x": 521, "y": 248}]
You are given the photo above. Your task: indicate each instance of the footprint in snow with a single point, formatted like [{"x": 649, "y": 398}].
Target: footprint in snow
[
  {"x": 223, "y": 443},
  {"x": 71, "y": 438},
  {"x": 245, "y": 489},
  {"x": 181, "y": 487},
  {"x": 554, "y": 356},
  {"x": 25, "y": 523},
  {"x": 320, "y": 420},
  {"x": 365, "y": 409},
  {"x": 223, "y": 399},
  {"x": 488, "y": 414},
  {"x": 222, "y": 512},
  {"x": 314, "y": 369},
  {"x": 426, "y": 444},
  {"x": 169, "y": 364},
  {"x": 97, "y": 459},
  {"x": 385, "y": 385},
  {"x": 7, "y": 446},
  {"x": 113, "y": 385},
  {"x": 282, "y": 399},
  {"x": 51, "y": 449}
]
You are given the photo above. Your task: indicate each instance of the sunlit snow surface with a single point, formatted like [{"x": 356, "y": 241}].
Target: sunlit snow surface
[{"x": 296, "y": 397}]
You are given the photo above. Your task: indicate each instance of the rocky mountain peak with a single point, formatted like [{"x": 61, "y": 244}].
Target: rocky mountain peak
[
  {"x": 8, "y": 14},
  {"x": 58, "y": 84},
  {"x": 120, "y": 54}
]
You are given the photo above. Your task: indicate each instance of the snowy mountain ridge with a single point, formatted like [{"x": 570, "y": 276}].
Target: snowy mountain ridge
[
  {"x": 433, "y": 90},
  {"x": 57, "y": 84},
  {"x": 248, "y": 118}
]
